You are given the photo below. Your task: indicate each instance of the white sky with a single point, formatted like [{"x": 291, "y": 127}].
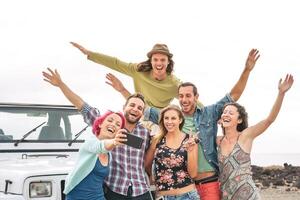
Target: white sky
[{"x": 210, "y": 41}]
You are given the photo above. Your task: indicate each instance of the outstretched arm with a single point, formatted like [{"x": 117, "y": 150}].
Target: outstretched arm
[
  {"x": 260, "y": 127},
  {"x": 119, "y": 139},
  {"x": 54, "y": 79},
  {"x": 108, "y": 61},
  {"x": 81, "y": 48},
  {"x": 239, "y": 87},
  {"x": 114, "y": 82}
]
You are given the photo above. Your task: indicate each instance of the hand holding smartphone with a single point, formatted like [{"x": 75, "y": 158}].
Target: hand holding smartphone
[{"x": 133, "y": 140}]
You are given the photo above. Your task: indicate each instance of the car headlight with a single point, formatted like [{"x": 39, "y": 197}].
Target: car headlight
[{"x": 40, "y": 189}]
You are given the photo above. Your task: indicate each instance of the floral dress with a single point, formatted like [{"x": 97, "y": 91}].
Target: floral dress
[{"x": 170, "y": 166}]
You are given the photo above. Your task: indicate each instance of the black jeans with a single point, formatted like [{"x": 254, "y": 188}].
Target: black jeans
[{"x": 110, "y": 195}]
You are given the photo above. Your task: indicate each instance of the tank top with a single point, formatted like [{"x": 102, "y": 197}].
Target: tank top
[
  {"x": 171, "y": 166},
  {"x": 236, "y": 176},
  {"x": 91, "y": 186}
]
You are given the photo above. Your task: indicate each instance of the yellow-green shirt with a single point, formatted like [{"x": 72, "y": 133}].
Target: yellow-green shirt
[{"x": 157, "y": 94}]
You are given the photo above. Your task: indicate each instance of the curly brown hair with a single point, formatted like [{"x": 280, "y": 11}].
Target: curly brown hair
[{"x": 243, "y": 115}]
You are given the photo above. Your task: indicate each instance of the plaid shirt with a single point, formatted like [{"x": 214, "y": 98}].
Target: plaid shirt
[{"x": 127, "y": 163}]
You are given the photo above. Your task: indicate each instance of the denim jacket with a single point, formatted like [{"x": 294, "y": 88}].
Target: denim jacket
[{"x": 206, "y": 123}]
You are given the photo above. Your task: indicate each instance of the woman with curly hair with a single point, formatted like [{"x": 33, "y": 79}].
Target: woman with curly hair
[{"x": 235, "y": 146}]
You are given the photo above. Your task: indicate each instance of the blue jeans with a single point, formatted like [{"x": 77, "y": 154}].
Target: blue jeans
[{"x": 192, "y": 195}]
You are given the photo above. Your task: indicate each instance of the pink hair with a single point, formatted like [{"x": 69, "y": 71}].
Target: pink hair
[{"x": 100, "y": 119}]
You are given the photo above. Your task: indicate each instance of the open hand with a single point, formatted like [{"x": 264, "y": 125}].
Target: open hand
[
  {"x": 284, "y": 86},
  {"x": 53, "y": 77},
  {"x": 114, "y": 82},
  {"x": 252, "y": 58},
  {"x": 191, "y": 142},
  {"x": 81, "y": 48}
]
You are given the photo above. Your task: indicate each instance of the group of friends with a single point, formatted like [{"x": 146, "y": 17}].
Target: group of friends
[{"x": 185, "y": 159}]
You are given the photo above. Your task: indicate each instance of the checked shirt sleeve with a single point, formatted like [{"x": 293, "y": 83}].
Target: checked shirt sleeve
[{"x": 89, "y": 114}]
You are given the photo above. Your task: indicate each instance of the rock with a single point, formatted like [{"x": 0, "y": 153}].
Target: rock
[
  {"x": 286, "y": 166},
  {"x": 273, "y": 176},
  {"x": 297, "y": 184},
  {"x": 259, "y": 185},
  {"x": 266, "y": 183},
  {"x": 289, "y": 178},
  {"x": 294, "y": 189},
  {"x": 278, "y": 182}
]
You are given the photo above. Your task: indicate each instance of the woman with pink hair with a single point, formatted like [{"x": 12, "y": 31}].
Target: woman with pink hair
[{"x": 92, "y": 167}]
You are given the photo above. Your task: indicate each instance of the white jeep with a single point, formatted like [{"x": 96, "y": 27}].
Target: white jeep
[{"x": 38, "y": 148}]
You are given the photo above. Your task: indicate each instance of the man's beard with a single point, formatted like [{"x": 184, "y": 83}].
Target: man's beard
[{"x": 129, "y": 120}]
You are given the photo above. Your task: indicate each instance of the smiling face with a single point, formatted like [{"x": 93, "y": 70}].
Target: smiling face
[
  {"x": 159, "y": 64},
  {"x": 110, "y": 125},
  {"x": 234, "y": 115},
  {"x": 187, "y": 100},
  {"x": 171, "y": 121},
  {"x": 230, "y": 117},
  {"x": 133, "y": 110}
]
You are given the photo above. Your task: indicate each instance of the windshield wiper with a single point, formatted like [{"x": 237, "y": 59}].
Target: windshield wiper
[
  {"x": 27, "y": 134},
  {"x": 77, "y": 135}
]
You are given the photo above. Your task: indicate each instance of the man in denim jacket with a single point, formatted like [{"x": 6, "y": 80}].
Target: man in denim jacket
[{"x": 204, "y": 122}]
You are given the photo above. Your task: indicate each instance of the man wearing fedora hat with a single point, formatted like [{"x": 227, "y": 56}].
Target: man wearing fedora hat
[
  {"x": 153, "y": 77},
  {"x": 204, "y": 122}
]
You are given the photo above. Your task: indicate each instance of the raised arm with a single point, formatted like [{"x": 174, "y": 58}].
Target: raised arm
[
  {"x": 192, "y": 162},
  {"x": 115, "y": 83},
  {"x": 149, "y": 157},
  {"x": 239, "y": 87},
  {"x": 108, "y": 61},
  {"x": 81, "y": 48},
  {"x": 54, "y": 79},
  {"x": 260, "y": 127}
]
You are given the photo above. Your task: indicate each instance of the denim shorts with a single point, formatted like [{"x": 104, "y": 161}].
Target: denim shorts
[{"x": 192, "y": 195}]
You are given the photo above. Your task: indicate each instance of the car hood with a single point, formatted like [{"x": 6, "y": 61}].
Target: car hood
[{"x": 18, "y": 170}]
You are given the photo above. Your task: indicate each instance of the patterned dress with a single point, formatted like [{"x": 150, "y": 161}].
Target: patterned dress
[
  {"x": 171, "y": 166},
  {"x": 236, "y": 176}
]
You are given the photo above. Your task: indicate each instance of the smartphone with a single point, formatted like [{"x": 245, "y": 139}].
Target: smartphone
[{"x": 133, "y": 140}]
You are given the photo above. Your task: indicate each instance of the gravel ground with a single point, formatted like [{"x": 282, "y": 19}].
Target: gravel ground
[{"x": 279, "y": 194}]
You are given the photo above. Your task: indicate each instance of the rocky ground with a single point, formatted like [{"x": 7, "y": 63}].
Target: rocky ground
[
  {"x": 278, "y": 182},
  {"x": 279, "y": 193}
]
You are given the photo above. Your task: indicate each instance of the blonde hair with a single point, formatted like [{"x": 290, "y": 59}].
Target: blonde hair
[{"x": 163, "y": 131}]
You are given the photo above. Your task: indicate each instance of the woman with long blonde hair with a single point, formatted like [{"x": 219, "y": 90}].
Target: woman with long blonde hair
[{"x": 175, "y": 162}]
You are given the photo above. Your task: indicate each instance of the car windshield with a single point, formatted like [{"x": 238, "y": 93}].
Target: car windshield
[{"x": 42, "y": 122}]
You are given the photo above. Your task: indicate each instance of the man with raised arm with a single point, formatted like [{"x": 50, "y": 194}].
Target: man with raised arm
[
  {"x": 127, "y": 178},
  {"x": 204, "y": 122}
]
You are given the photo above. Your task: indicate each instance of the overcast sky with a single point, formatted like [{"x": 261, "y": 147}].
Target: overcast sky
[{"x": 210, "y": 41}]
